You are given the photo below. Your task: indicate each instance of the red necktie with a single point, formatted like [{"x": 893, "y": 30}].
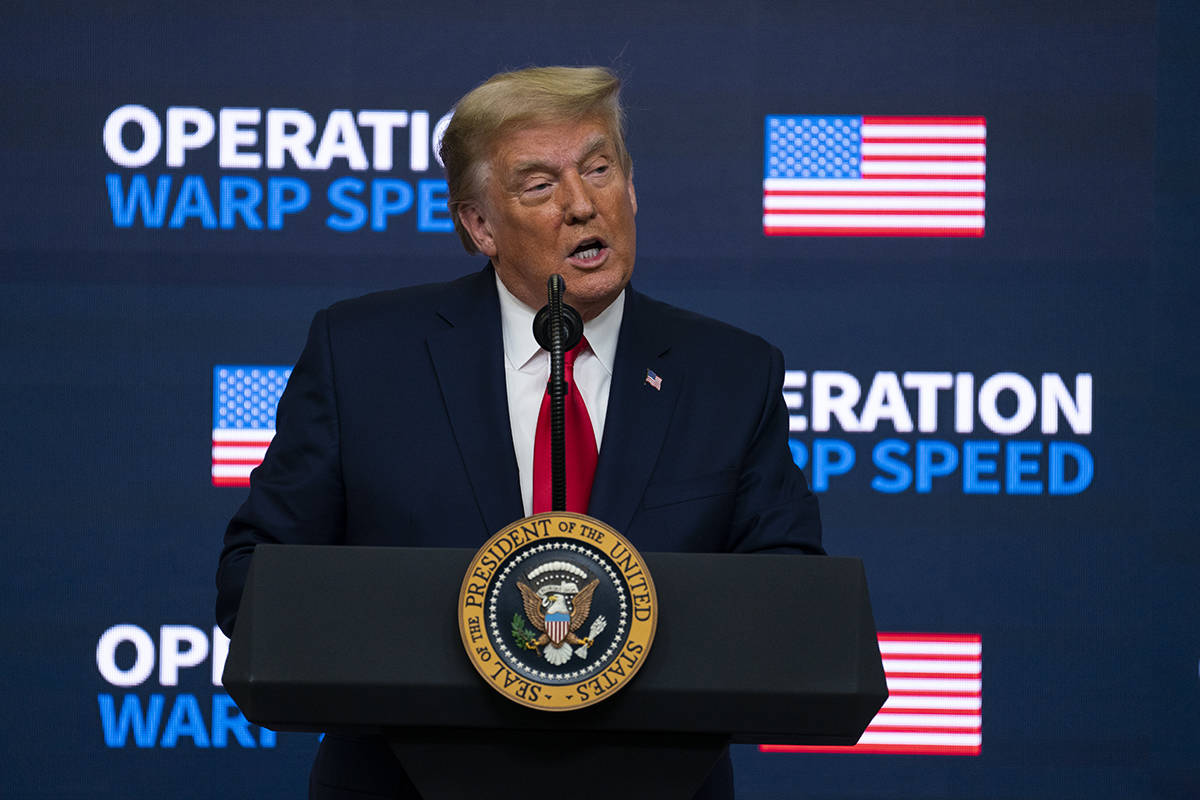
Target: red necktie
[{"x": 580, "y": 441}]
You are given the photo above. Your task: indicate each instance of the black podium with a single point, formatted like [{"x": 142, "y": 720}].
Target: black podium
[{"x": 749, "y": 648}]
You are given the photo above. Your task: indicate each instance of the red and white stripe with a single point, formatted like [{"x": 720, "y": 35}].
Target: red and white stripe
[
  {"x": 921, "y": 176},
  {"x": 235, "y": 453},
  {"x": 935, "y": 702},
  {"x": 557, "y": 630}
]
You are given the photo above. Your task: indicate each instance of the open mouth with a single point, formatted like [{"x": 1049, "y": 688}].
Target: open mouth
[{"x": 588, "y": 249}]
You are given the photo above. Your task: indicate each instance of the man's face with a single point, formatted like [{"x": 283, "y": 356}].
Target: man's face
[{"x": 556, "y": 199}]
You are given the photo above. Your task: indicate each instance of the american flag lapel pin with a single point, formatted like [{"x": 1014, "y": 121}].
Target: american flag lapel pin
[{"x": 654, "y": 380}]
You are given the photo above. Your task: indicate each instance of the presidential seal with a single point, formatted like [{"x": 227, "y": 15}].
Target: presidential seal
[{"x": 557, "y": 611}]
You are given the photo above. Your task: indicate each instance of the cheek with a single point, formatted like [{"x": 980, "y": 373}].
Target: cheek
[{"x": 541, "y": 227}]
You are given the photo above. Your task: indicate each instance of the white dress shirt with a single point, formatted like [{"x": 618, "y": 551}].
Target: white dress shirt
[{"x": 527, "y": 369}]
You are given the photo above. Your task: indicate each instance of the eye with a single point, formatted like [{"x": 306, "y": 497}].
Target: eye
[{"x": 536, "y": 190}]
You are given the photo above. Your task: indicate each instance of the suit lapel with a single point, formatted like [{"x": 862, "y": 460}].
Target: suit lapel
[
  {"x": 468, "y": 358},
  {"x": 638, "y": 415}
]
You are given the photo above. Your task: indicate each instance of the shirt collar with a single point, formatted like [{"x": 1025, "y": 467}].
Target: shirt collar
[{"x": 520, "y": 348}]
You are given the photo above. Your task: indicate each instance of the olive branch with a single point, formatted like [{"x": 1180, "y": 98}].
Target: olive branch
[{"x": 520, "y": 632}]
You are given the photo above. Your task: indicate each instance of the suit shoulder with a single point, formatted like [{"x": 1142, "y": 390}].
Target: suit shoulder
[{"x": 404, "y": 307}]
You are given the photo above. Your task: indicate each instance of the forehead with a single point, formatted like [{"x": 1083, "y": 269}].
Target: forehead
[{"x": 538, "y": 145}]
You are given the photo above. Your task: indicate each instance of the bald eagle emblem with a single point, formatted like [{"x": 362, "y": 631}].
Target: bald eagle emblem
[{"x": 558, "y": 607}]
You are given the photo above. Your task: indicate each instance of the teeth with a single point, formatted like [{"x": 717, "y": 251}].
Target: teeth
[{"x": 591, "y": 252}]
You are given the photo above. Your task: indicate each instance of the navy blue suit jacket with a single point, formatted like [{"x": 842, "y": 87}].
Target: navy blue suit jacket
[{"x": 393, "y": 430}]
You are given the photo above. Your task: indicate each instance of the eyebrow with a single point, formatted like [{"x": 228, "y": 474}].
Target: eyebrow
[{"x": 595, "y": 145}]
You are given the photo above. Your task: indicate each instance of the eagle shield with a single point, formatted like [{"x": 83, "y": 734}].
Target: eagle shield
[{"x": 557, "y": 625}]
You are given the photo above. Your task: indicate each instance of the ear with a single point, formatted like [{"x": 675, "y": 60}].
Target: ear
[
  {"x": 472, "y": 217},
  {"x": 632, "y": 194}
]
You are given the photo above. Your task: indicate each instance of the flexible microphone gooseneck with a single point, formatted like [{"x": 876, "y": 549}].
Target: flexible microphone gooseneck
[{"x": 557, "y": 328}]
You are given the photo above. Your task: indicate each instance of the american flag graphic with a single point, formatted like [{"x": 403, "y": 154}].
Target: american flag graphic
[
  {"x": 874, "y": 176},
  {"x": 935, "y": 702},
  {"x": 556, "y": 627},
  {"x": 244, "y": 401}
]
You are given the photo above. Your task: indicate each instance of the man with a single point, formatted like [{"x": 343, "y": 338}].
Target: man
[{"x": 411, "y": 417}]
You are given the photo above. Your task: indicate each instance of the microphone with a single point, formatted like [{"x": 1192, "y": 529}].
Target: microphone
[
  {"x": 570, "y": 323},
  {"x": 557, "y": 328}
]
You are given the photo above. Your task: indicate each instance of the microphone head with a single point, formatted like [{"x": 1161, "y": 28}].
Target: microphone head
[{"x": 572, "y": 327}]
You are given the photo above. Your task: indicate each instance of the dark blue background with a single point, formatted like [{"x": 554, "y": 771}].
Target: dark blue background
[{"x": 1086, "y": 603}]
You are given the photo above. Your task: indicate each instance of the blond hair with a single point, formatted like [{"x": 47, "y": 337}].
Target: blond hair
[{"x": 537, "y": 95}]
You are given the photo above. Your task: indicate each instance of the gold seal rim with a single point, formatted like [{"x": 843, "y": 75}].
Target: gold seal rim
[{"x": 645, "y": 630}]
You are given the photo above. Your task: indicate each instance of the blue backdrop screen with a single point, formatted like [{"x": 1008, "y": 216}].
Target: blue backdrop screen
[{"x": 969, "y": 229}]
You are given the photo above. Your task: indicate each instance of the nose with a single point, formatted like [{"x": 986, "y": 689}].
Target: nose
[{"x": 576, "y": 200}]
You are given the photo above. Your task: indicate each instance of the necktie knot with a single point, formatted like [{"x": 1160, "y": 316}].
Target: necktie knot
[{"x": 572, "y": 354}]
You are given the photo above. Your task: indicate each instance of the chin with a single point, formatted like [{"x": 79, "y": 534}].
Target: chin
[{"x": 601, "y": 290}]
